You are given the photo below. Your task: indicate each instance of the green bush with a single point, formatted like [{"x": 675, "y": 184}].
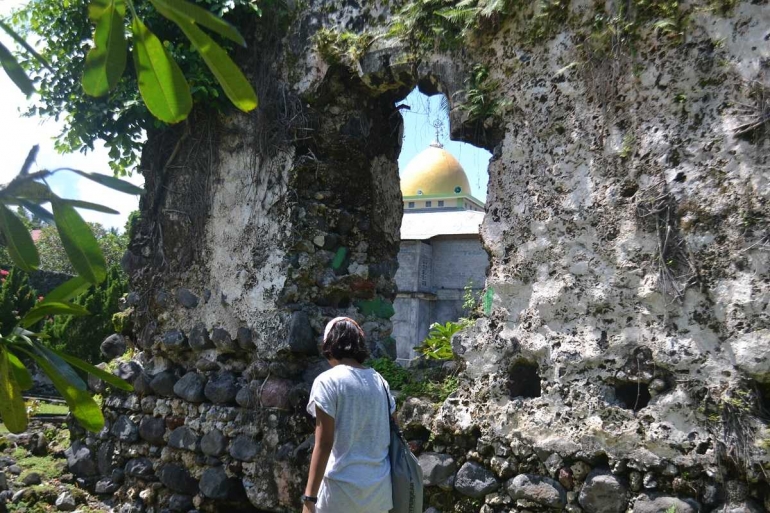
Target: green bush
[
  {"x": 438, "y": 345},
  {"x": 402, "y": 380},
  {"x": 82, "y": 336},
  {"x": 16, "y": 299},
  {"x": 394, "y": 374}
]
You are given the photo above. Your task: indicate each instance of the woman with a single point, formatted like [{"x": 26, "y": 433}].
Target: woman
[{"x": 349, "y": 468}]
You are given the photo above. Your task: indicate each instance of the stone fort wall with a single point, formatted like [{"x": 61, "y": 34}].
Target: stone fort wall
[{"x": 625, "y": 360}]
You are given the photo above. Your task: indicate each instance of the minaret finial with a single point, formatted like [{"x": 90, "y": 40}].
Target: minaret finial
[{"x": 437, "y": 126}]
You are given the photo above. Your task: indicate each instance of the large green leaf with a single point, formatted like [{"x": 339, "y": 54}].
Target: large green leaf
[
  {"x": 80, "y": 402},
  {"x": 229, "y": 76},
  {"x": 90, "y": 206},
  {"x": 15, "y": 72},
  {"x": 60, "y": 365},
  {"x": 67, "y": 290},
  {"x": 79, "y": 243},
  {"x": 24, "y": 44},
  {"x": 30, "y": 190},
  {"x": 46, "y": 308},
  {"x": 19, "y": 242},
  {"x": 90, "y": 369},
  {"x": 109, "y": 181},
  {"x": 97, "y": 8},
  {"x": 20, "y": 372},
  {"x": 161, "y": 83},
  {"x": 204, "y": 18},
  {"x": 12, "y": 407},
  {"x": 38, "y": 211},
  {"x": 106, "y": 61}
]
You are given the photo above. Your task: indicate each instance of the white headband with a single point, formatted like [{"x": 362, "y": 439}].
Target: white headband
[{"x": 331, "y": 324}]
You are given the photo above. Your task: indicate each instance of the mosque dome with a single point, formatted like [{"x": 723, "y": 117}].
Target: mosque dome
[{"x": 433, "y": 172}]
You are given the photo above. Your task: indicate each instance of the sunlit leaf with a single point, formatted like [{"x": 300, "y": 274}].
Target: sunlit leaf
[
  {"x": 15, "y": 72},
  {"x": 204, "y": 18},
  {"x": 90, "y": 369},
  {"x": 18, "y": 241},
  {"x": 20, "y": 372},
  {"x": 161, "y": 82},
  {"x": 229, "y": 76},
  {"x": 44, "y": 309},
  {"x": 79, "y": 243},
  {"x": 67, "y": 290},
  {"x": 80, "y": 402},
  {"x": 97, "y": 8},
  {"x": 109, "y": 181},
  {"x": 24, "y": 44},
  {"x": 12, "y": 407},
  {"x": 106, "y": 61}
]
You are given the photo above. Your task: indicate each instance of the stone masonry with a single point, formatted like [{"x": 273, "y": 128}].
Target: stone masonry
[{"x": 625, "y": 364}]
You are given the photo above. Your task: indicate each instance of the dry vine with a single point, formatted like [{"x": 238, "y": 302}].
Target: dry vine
[
  {"x": 657, "y": 208},
  {"x": 756, "y": 117}
]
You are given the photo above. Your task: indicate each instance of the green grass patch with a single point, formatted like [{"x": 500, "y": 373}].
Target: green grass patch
[
  {"x": 46, "y": 466},
  {"x": 53, "y": 409}
]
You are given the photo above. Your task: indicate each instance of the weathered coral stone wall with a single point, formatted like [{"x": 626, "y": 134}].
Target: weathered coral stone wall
[{"x": 626, "y": 357}]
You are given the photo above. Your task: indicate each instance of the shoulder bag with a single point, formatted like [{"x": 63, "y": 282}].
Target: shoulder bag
[{"x": 405, "y": 471}]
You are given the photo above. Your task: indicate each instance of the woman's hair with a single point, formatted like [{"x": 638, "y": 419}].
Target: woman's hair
[{"x": 344, "y": 338}]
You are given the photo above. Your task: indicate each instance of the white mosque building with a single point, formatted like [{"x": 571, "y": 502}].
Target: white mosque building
[{"x": 441, "y": 252}]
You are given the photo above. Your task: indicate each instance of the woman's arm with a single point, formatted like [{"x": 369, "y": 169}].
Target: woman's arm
[{"x": 324, "y": 439}]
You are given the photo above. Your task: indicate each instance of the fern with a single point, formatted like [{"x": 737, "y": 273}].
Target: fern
[{"x": 461, "y": 16}]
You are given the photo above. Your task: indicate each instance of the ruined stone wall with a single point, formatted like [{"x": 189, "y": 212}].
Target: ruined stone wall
[{"x": 624, "y": 360}]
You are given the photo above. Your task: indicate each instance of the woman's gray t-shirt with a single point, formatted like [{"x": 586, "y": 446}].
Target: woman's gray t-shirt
[{"x": 358, "y": 464}]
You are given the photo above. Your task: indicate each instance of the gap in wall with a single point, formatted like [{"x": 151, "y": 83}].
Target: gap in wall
[{"x": 442, "y": 263}]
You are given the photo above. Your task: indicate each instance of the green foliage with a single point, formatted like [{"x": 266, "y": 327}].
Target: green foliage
[
  {"x": 81, "y": 336},
  {"x": 342, "y": 47},
  {"x": 472, "y": 302},
  {"x": 29, "y": 190},
  {"x": 436, "y": 391},
  {"x": 394, "y": 374},
  {"x": 627, "y": 146},
  {"x": 53, "y": 256},
  {"x": 102, "y": 99},
  {"x": 132, "y": 224},
  {"x": 402, "y": 380},
  {"x": 551, "y": 17},
  {"x": 482, "y": 100},
  {"x": 16, "y": 299},
  {"x": 438, "y": 344},
  {"x": 446, "y": 24}
]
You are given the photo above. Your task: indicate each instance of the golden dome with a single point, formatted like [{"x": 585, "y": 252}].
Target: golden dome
[{"x": 433, "y": 172}]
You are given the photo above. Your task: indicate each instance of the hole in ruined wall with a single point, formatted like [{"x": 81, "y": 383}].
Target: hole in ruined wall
[
  {"x": 442, "y": 263},
  {"x": 633, "y": 396},
  {"x": 524, "y": 380}
]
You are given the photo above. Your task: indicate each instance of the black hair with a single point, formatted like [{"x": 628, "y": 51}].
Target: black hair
[{"x": 345, "y": 340}]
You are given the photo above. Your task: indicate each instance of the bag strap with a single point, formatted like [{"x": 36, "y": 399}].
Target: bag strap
[{"x": 393, "y": 425}]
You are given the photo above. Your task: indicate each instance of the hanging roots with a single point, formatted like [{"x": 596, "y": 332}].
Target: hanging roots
[{"x": 656, "y": 209}]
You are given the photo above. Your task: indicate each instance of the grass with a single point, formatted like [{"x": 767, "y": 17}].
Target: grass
[
  {"x": 47, "y": 467},
  {"x": 53, "y": 409}
]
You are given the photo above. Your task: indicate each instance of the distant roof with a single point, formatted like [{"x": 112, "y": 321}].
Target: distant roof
[{"x": 426, "y": 225}]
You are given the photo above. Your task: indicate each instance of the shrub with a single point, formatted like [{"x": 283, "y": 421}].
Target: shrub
[
  {"x": 438, "y": 345},
  {"x": 16, "y": 299},
  {"x": 82, "y": 336}
]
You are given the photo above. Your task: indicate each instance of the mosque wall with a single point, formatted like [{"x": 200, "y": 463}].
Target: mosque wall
[{"x": 624, "y": 361}]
